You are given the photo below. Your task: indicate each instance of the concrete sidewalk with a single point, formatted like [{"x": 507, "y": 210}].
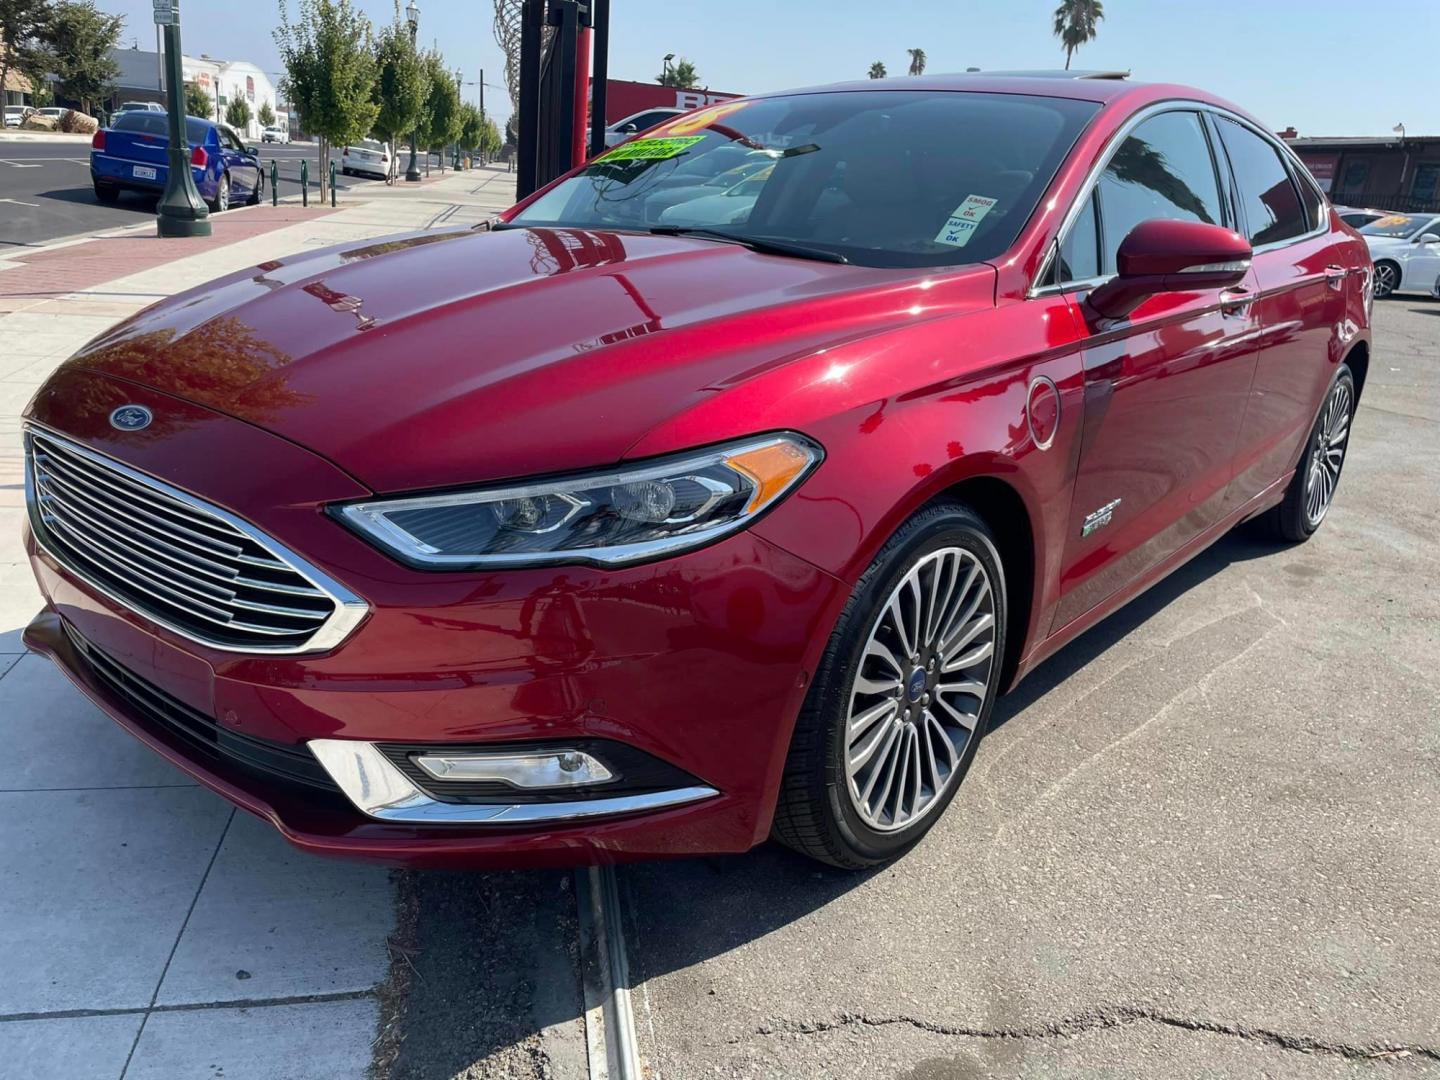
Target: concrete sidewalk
[{"x": 148, "y": 929}]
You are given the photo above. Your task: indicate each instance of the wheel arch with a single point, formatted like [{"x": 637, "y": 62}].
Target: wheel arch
[
  {"x": 1358, "y": 360},
  {"x": 1005, "y": 511}
]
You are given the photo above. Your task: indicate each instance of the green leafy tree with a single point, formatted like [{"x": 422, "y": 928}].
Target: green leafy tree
[
  {"x": 266, "y": 115},
  {"x": 917, "y": 61},
  {"x": 402, "y": 85},
  {"x": 197, "y": 101},
  {"x": 469, "y": 126},
  {"x": 491, "y": 141},
  {"x": 1076, "y": 22},
  {"x": 877, "y": 70},
  {"x": 329, "y": 77},
  {"x": 682, "y": 73},
  {"x": 237, "y": 113},
  {"x": 80, "y": 39},
  {"x": 440, "y": 119},
  {"x": 24, "y": 27}
]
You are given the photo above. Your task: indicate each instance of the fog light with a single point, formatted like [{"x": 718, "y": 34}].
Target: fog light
[{"x": 529, "y": 769}]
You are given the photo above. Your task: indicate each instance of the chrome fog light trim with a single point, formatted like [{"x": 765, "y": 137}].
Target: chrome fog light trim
[
  {"x": 532, "y": 770},
  {"x": 381, "y": 791}
]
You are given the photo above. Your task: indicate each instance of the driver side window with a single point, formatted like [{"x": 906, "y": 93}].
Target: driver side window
[{"x": 1163, "y": 169}]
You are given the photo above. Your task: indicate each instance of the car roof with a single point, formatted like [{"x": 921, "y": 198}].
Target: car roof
[{"x": 1100, "y": 87}]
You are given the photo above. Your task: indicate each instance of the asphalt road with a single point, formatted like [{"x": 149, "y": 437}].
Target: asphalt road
[
  {"x": 46, "y": 193},
  {"x": 1204, "y": 839}
]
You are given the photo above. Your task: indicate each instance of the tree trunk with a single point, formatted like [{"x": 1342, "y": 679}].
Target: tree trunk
[{"x": 1068, "y": 52}]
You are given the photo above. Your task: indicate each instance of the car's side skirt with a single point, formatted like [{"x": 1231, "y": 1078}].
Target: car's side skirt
[{"x": 1058, "y": 639}]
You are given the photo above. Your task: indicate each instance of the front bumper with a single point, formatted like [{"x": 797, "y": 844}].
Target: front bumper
[{"x": 711, "y": 691}]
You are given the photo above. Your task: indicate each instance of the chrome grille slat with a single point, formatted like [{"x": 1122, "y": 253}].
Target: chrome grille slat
[
  {"x": 72, "y": 516},
  {"x": 180, "y": 562},
  {"x": 107, "y": 511},
  {"x": 133, "y": 491},
  {"x": 209, "y": 544}
]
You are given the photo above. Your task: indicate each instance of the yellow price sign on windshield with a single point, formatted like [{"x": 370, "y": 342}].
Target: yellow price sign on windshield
[{"x": 650, "y": 149}]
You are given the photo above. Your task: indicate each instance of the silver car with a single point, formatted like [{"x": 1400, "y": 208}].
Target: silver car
[{"x": 1406, "y": 251}]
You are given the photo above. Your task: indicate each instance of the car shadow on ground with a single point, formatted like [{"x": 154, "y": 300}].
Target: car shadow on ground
[{"x": 463, "y": 964}]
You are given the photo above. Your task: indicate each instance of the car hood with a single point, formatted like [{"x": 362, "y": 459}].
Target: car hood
[{"x": 463, "y": 356}]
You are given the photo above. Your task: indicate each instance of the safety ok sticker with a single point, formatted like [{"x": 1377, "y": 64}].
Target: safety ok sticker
[
  {"x": 964, "y": 221},
  {"x": 651, "y": 149}
]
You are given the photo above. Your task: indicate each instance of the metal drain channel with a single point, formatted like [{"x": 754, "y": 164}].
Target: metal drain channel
[{"x": 605, "y": 971}]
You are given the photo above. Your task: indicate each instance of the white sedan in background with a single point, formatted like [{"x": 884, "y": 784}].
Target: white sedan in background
[
  {"x": 1406, "y": 252},
  {"x": 366, "y": 158},
  {"x": 276, "y": 135}
]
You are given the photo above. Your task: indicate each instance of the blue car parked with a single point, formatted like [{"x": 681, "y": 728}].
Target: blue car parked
[{"x": 131, "y": 153}]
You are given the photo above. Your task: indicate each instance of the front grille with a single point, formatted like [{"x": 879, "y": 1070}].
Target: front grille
[
  {"x": 186, "y": 565},
  {"x": 147, "y": 702}
]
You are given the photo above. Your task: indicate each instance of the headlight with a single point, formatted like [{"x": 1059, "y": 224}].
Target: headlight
[{"x": 614, "y": 518}]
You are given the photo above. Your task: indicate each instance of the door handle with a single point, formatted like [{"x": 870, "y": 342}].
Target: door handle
[
  {"x": 1235, "y": 302},
  {"x": 1335, "y": 276}
]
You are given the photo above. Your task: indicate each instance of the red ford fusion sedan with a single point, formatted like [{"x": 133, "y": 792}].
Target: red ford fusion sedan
[{"x": 711, "y": 494}]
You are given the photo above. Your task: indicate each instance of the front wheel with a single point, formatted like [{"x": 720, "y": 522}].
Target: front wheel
[
  {"x": 901, "y": 697},
  {"x": 1386, "y": 278},
  {"x": 257, "y": 192}
]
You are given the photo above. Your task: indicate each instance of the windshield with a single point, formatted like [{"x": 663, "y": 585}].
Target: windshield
[
  {"x": 882, "y": 178},
  {"x": 1397, "y": 225}
]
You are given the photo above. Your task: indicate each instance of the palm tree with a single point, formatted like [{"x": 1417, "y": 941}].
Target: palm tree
[
  {"x": 1076, "y": 22},
  {"x": 917, "y": 61},
  {"x": 877, "y": 70}
]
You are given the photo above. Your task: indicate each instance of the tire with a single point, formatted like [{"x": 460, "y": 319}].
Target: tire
[
  {"x": 1312, "y": 489},
  {"x": 258, "y": 192},
  {"x": 1386, "y": 278},
  {"x": 107, "y": 193},
  {"x": 222, "y": 195},
  {"x": 830, "y": 807}
]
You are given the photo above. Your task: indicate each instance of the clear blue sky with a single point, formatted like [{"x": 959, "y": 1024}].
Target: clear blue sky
[{"x": 1326, "y": 67}]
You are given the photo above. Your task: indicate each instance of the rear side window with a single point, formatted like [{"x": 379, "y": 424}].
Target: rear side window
[
  {"x": 1271, "y": 204},
  {"x": 145, "y": 123},
  {"x": 1163, "y": 169}
]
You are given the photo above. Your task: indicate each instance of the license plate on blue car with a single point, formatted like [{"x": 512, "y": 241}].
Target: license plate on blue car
[{"x": 144, "y": 172}]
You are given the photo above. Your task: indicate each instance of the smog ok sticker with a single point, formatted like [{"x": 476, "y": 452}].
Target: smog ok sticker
[
  {"x": 965, "y": 220},
  {"x": 651, "y": 149}
]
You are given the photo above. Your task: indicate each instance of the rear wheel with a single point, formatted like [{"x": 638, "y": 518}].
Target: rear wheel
[
  {"x": 107, "y": 193},
  {"x": 222, "y": 195},
  {"x": 1312, "y": 488},
  {"x": 1387, "y": 278},
  {"x": 901, "y": 697}
]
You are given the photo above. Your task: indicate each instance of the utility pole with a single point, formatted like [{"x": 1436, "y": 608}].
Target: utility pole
[
  {"x": 181, "y": 211},
  {"x": 482, "y": 95},
  {"x": 412, "y": 16}
]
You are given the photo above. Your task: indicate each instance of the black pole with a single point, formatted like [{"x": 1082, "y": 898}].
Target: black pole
[
  {"x": 565, "y": 17},
  {"x": 181, "y": 211},
  {"x": 412, "y": 171},
  {"x": 532, "y": 19},
  {"x": 599, "y": 75}
]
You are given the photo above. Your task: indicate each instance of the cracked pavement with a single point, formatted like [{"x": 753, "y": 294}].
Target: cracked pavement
[{"x": 1202, "y": 840}]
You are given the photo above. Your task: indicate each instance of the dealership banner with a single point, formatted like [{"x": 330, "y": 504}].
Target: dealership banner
[{"x": 623, "y": 98}]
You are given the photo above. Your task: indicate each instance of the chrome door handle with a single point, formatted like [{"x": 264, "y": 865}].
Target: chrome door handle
[
  {"x": 1235, "y": 302},
  {"x": 1335, "y": 276}
]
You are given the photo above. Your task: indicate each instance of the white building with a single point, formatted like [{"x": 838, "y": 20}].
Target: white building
[
  {"x": 140, "y": 79},
  {"x": 226, "y": 80}
]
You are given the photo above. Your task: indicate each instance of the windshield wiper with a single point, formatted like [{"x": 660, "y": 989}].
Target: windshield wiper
[{"x": 754, "y": 243}]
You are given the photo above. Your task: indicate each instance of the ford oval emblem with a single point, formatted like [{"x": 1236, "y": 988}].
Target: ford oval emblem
[{"x": 131, "y": 418}]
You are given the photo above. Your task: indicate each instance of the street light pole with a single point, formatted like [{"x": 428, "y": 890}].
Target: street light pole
[
  {"x": 181, "y": 211},
  {"x": 412, "y": 15},
  {"x": 665, "y": 71}
]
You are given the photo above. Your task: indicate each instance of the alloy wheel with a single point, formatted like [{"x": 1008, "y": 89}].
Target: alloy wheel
[
  {"x": 920, "y": 689},
  {"x": 1327, "y": 454},
  {"x": 222, "y": 195},
  {"x": 1385, "y": 279}
]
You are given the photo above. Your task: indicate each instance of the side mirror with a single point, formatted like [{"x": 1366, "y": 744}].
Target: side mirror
[
  {"x": 1428, "y": 238},
  {"x": 1171, "y": 256},
  {"x": 252, "y": 151},
  {"x": 628, "y": 129}
]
